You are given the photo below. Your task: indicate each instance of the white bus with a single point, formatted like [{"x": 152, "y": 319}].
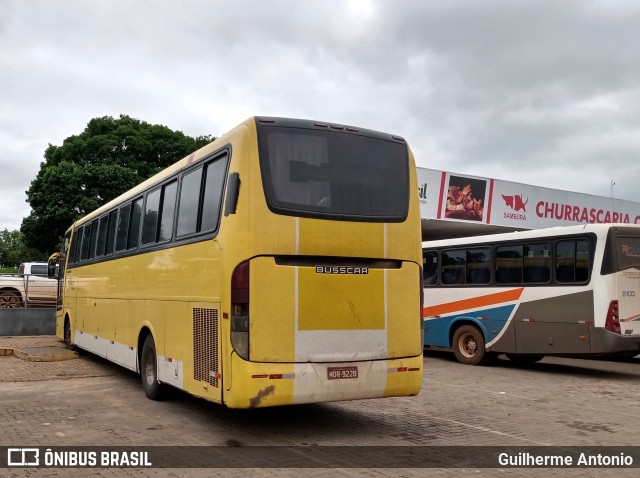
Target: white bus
[{"x": 572, "y": 291}]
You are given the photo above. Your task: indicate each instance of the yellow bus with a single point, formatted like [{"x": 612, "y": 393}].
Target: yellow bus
[{"x": 280, "y": 264}]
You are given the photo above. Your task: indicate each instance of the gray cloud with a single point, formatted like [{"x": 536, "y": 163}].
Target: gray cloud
[{"x": 540, "y": 92}]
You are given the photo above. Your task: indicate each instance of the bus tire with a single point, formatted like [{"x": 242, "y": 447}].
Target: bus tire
[
  {"x": 67, "y": 334},
  {"x": 149, "y": 370},
  {"x": 525, "y": 358},
  {"x": 10, "y": 300},
  {"x": 468, "y": 345}
]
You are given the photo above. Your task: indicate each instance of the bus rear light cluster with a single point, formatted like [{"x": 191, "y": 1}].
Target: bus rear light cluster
[
  {"x": 275, "y": 376},
  {"x": 240, "y": 310},
  {"x": 613, "y": 319},
  {"x": 403, "y": 369}
]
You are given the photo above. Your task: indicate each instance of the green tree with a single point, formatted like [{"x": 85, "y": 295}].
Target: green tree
[
  {"x": 109, "y": 157},
  {"x": 13, "y": 250}
]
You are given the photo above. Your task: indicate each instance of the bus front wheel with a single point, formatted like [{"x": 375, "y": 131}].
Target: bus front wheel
[
  {"x": 149, "y": 370},
  {"x": 468, "y": 345},
  {"x": 67, "y": 334}
]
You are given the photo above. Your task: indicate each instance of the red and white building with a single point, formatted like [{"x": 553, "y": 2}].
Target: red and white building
[{"x": 454, "y": 205}]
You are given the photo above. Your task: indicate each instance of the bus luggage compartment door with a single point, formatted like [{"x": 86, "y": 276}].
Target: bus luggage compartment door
[{"x": 303, "y": 312}]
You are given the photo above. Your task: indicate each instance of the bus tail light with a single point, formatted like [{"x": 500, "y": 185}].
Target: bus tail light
[
  {"x": 613, "y": 319},
  {"x": 240, "y": 310}
]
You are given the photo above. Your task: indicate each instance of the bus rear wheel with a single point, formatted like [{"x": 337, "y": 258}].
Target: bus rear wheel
[
  {"x": 149, "y": 370},
  {"x": 468, "y": 345},
  {"x": 525, "y": 358}
]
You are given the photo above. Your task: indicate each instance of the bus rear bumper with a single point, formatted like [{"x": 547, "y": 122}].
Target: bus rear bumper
[
  {"x": 605, "y": 342},
  {"x": 272, "y": 384}
]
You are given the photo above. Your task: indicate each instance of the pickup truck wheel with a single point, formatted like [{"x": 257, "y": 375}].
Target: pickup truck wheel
[{"x": 10, "y": 300}]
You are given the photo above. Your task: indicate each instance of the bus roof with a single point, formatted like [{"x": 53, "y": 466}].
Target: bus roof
[{"x": 598, "y": 229}]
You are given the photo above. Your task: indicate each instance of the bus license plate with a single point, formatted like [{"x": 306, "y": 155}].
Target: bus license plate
[{"x": 337, "y": 373}]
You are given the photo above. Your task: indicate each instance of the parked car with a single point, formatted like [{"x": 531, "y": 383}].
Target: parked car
[{"x": 30, "y": 287}]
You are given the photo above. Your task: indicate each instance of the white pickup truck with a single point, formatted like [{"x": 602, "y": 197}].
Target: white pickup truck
[{"x": 30, "y": 287}]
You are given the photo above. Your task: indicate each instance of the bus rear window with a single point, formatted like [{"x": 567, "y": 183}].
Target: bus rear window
[
  {"x": 334, "y": 175},
  {"x": 628, "y": 252}
]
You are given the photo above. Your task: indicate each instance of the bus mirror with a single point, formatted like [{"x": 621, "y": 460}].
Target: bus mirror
[
  {"x": 52, "y": 266},
  {"x": 233, "y": 192}
]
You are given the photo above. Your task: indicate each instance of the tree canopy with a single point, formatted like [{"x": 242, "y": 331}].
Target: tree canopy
[
  {"x": 108, "y": 158},
  {"x": 13, "y": 250}
]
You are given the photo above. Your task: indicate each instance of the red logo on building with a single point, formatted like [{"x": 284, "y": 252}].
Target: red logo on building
[{"x": 515, "y": 202}]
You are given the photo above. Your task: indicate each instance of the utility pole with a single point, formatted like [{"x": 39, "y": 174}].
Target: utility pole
[{"x": 611, "y": 190}]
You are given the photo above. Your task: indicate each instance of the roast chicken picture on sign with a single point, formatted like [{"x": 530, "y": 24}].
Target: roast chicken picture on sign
[{"x": 465, "y": 198}]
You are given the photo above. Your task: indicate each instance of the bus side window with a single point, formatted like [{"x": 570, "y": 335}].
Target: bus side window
[
  {"x": 111, "y": 232},
  {"x": 102, "y": 236},
  {"x": 572, "y": 261},
  {"x": 583, "y": 260},
  {"x": 565, "y": 261},
  {"x": 189, "y": 203},
  {"x": 77, "y": 240},
  {"x": 70, "y": 252},
  {"x": 453, "y": 267},
  {"x": 479, "y": 266},
  {"x": 213, "y": 185},
  {"x": 150, "y": 221},
  {"x": 86, "y": 239},
  {"x": 134, "y": 224},
  {"x": 167, "y": 211},
  {"x": 123, "y": 227},
  {"x": 537, "y": 263},
  {"x": 430, "y": 267},
  {"x": 94, "y": 239},
  {"x": 509, "y": 264}
]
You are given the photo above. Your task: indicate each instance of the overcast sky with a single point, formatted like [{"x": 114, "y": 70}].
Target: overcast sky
[{"x": 538, "y": 92}]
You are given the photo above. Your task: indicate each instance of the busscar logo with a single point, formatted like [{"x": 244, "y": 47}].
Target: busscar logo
[
  {"x": 516, "y": 204},
  {"x": 341, "y": 270}
]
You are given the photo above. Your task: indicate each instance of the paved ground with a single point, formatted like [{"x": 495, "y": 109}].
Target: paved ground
[{"x": 558, "y": 402}]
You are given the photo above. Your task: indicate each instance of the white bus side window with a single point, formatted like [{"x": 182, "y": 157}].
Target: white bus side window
[
  {"x": 509, "y": 264},
  {"x": 453, "y": 267},
  {"x": 430, "y": 268}
]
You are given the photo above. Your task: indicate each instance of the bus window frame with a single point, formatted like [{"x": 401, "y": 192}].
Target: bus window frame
[
  {"x": 552, "y": 241},
  {"x": 287, "y": 209},
  {"x": 223, "y": 153},
  {"x": 160, "y": 192}
]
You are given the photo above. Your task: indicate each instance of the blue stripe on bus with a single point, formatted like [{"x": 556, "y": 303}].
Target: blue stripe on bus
[{"x": 490, "y": 321}]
